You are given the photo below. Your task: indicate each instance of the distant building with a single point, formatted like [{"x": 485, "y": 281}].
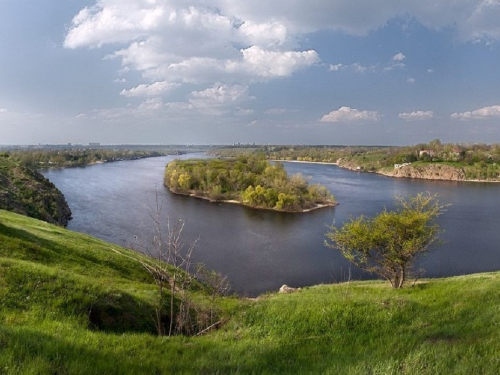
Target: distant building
[
  {"x": 430, "y": 153},
  {"x": 94, "y": 144}
]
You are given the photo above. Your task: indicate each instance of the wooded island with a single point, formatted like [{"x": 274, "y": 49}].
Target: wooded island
[{"x": 249, "y": 180}]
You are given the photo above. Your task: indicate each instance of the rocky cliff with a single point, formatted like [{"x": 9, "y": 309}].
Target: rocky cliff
[
  {"x": 428, "y": 172},
  {"x": 27, "y": 192}
]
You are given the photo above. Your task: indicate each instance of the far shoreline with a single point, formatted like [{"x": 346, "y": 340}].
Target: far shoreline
[{"x": 383, "y": 174}]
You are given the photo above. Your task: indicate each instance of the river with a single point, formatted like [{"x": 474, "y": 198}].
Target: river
[{"x": 261, "y": 250}]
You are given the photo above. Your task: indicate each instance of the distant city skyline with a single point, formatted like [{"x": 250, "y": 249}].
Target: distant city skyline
[{"x": 222, "y": 72}]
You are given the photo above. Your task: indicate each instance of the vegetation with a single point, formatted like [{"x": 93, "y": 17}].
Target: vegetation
[
  {"x": 388, "y": 243},
  {"x": 76, "y": 157},
  {"x": 477, "y": 161},
  {"x": 250, "y": 180},
  {"x": 27, "y": 192},
  {"x": 71, "y": 305}
]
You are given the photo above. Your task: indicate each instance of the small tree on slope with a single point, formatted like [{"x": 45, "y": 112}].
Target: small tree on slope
[{"x": 388, "y": 243}]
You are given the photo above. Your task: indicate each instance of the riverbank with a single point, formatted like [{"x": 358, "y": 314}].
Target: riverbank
[
  {"x": 27, "y": 192},
  {"x": 234, "y": 201},
  {"x": 393, "y": 174}
]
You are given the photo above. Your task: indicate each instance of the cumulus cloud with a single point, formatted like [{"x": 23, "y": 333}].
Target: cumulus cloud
[
  {"x": 216, "y": 100},
  {"x": 180, "y": 41},
  {"x": 348, "y": 114},
  {"x": 416, "y": 115},
  {"x": 478, "y": 114},
  {"x": 172, "y": 42},
  {"x": 219, "y": 95},
  {"x": 154, "y": 89}
]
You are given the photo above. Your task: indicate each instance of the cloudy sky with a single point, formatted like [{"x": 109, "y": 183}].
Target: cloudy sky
[{"x": 222, "y": 71}]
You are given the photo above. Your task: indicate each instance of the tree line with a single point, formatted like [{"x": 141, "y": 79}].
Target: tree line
[
  {"x": 478, "y": 161},
  {"x": 76, "y": 157}
]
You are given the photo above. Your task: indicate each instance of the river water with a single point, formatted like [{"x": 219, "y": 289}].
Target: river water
[{"x": 262, "y": 250}]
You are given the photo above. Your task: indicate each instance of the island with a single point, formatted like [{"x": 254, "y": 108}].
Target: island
[{"x": 249, "y": 180}]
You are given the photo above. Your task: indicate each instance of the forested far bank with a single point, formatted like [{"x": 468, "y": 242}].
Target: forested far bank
[
  {"x": 248, "y": 180},
  {"x": 432, "y": 160},
  {"x": 79, "y": 157}
]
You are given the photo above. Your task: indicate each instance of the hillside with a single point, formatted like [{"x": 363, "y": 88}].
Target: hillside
[
  {"x": 72, "y": 305},
  {"x": 27, "y": 192}
]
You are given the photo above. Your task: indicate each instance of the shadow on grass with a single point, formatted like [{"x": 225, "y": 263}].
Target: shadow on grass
[
  {"x": 21, "y": 244},
  {"x": 29, "y": 351}
]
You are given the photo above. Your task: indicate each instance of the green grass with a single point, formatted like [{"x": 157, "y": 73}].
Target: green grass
[{"x": 70, "y": 305}]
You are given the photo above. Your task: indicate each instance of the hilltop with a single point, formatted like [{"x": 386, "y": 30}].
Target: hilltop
[{"x": 74, "y": 304}]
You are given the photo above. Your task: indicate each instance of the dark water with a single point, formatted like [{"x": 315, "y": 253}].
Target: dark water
[{"x": 261, "y": 250}]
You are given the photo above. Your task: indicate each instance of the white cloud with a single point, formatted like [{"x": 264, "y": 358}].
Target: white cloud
[
  {"x": 279, "y": 64},
  {"x": 359, "y": 68},
  {"x": 154, "y": 89},
  {"x": 218, "y": 95},
  {"x": 416, "y": 115},
  {"x": 410, "y": 80},
  {"x": 216, "y": 100},
  {"x": 348, "y": 114},
  {"x": 356, "y": 67},
  {"x": 172, "y": 42},
  {"x": 478, "y": 114},
  {"x": 336, "y": 67},
  {"x": 3, "y": 110},
  {"x": 151, "y": 104},
  {"x": 398, "y": 57},
  {"x": 263, "y": 34},
  {"x": 189, "y": 42},
  {"x": 396, "y": 62}
]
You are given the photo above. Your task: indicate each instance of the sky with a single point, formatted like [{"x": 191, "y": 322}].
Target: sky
[{"x": 365, "y": 72}]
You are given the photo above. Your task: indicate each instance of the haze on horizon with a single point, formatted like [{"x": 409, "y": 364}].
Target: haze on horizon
[{"x": 226, "y": 71}]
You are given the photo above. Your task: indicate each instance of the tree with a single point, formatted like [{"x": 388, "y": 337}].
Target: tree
[{"x": 388, "y": 243}]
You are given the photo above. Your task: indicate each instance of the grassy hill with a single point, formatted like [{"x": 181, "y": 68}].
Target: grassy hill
[{"x": 69, "y": 304}]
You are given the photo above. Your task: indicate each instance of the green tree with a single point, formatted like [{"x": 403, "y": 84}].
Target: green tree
[{"x": 388, "y": 243}]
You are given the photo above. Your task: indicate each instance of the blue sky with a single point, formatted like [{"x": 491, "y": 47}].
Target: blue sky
[{"x": 224, "y": 71}]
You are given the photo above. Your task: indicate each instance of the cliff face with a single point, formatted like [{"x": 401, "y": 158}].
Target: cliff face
[
  {"x": 428, "y": 172},
  {"x": 29, "y": 193}
]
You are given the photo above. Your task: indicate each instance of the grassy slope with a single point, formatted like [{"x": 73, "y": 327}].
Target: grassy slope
[{"x": 50, "y": 278}]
